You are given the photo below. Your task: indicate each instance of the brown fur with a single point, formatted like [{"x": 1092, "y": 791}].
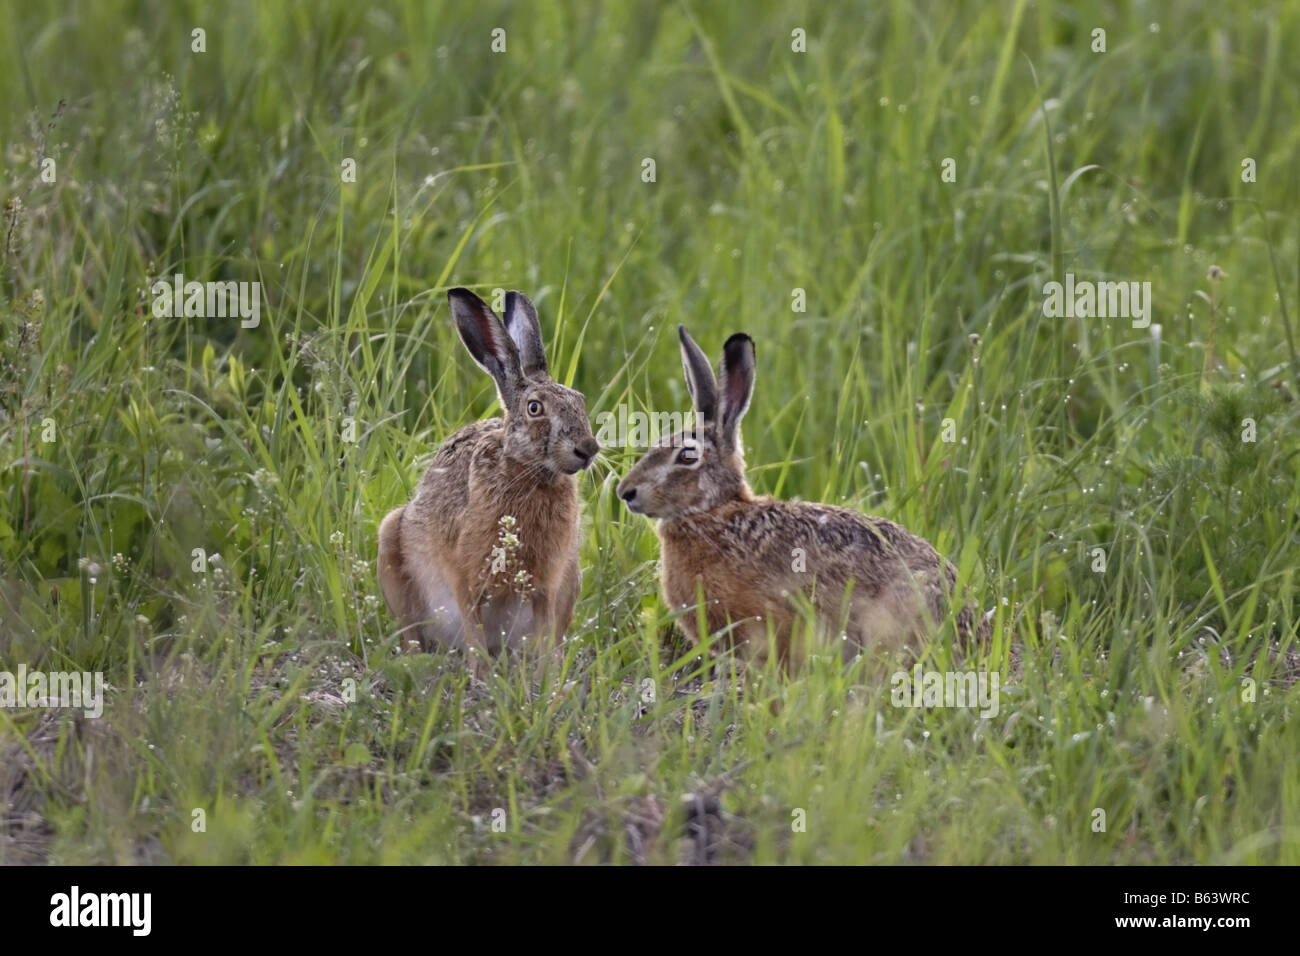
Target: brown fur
[
  {"x": 444, "y": 568},
  {"x": 742, "y": 553},
  {"x": 758, "y": 560}
]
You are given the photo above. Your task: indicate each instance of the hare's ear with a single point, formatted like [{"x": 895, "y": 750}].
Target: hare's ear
[
  {"x": 521, "y": 323},
  {"x": 699, "y": 379},
  {"x": 736, "y": 384},
  {"x": 488, "y": 344}
]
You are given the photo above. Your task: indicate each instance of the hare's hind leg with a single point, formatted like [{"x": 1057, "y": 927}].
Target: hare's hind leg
[
  {"x": 393, "y": 582},
  {"x": 887, "y": 625},
  {"x": 417, "y": 592}
]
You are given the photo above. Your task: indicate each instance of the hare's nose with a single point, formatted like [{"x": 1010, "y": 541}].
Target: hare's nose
[
  {"x": 586, "y": 450},
  {"x": 627, "y": 495}
]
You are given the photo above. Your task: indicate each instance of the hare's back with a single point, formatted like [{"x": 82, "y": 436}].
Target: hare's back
[
  {"x": 445, "y": 486},
  {"x": 453, "y": 459},
  {"x": 832, "y": 538},
  {"x": 852, "y": 533}
]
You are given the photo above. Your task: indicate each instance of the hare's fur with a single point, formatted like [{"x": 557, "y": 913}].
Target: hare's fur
[
  {"x": 762, "y": 564},
  {"x": 485, "y": 555}
]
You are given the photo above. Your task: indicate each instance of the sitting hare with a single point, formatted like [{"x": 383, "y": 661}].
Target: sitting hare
[
  {"x": 486, "y": 553},
  {"x": 866, "y": 578}
]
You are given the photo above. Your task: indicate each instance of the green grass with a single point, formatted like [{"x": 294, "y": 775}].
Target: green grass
[{"x": 1126, "y": 690}]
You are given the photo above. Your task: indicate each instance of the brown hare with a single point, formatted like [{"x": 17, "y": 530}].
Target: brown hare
[
  {"x": 485, "y": 555},
  {"x": 758, "y": 560}
]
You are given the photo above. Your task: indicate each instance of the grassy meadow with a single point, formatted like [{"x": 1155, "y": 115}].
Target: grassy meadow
[{"x": 1125, "y": 499}]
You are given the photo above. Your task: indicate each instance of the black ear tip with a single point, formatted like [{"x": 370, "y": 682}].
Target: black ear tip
[
  {"x": 683, "y": 334},
  {"x": 460, "y": 293},
  {"x": 517, "y": 300},
  {"x": 739, "y": 340}
]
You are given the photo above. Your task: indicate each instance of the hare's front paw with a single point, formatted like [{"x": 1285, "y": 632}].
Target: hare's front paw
[{"x": 479, "y": 661}]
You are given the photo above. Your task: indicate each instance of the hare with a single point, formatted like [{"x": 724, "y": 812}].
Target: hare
[
  {"x": 485, "y": 555},
  {"x": 759, "y": 561}
]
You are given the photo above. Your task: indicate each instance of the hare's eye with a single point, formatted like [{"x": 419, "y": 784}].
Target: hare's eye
[
  {"x": 534, "y": 408},
  {"x": 688, "y": 456}
]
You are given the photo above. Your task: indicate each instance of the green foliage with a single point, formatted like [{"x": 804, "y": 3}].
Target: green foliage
[{"x": 266, "y": 690}]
